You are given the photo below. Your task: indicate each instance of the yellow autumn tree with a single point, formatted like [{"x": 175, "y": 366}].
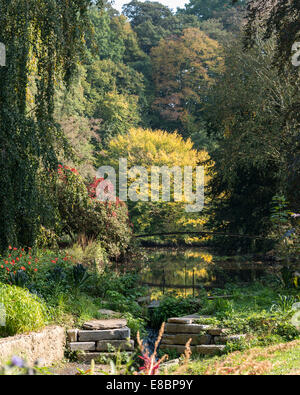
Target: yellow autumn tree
[{"x": 151, "y": 149}]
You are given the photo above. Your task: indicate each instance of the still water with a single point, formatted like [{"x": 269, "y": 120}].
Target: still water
[{"x": 188, "y": 270}]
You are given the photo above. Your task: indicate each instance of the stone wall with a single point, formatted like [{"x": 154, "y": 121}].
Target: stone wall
[
  {"x": 47, "y": 346},
  {"x": 206, "y": 339},
  {"x": 100, "y": 337}
]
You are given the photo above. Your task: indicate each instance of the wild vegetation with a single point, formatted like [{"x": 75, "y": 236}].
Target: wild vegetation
[{"x": 211, "y": 84}]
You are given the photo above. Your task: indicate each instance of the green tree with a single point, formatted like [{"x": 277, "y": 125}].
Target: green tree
[
  {"x": 183, "y": 69},
  {"x": 112, "y": 37},
  {"x": 153, "y": 21},
  {"x": 114, "y": 92},
  {"x": 43, "y": 39},
  {"x": 246, "y": 114},
  {"x": 280, "y": 19},
  {"x": 207, "y": 9}
]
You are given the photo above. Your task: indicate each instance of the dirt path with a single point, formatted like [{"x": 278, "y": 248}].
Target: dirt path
[{"x": 74, "y": 369}]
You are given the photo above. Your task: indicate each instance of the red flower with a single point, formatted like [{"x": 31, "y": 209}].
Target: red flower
[
  {"x": 29, "y": 263},
  {"x": 10, "y": 247},
  {"x": 35, "y": 270},
  {"x": 23, "y": 268}
]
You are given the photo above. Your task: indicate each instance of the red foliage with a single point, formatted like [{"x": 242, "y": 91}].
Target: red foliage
[{"x": 150, "y": 366}]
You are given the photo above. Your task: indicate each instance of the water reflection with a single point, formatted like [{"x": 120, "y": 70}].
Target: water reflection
[{"x": 188, "y": 270}]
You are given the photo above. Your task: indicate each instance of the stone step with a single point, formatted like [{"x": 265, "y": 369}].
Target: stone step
[
  {"x": 97, "y": 335},
  {"x": 180, "y": 320},
  {"x": 217, "y": 331},
  {"x": 183, "y": 338},
  {"x": 186, "y": 328},
  {"x": 105, "y": 324},
  {"x": 122, "y": 345},
  {"x": 82, "y": 346},
  {"x": 72, "y": 335},
  {"x": 177, "y": 347},
  {"x": 212, "y": 349}
]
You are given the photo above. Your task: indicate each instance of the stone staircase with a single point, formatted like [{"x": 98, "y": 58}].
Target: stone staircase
[
  {"x": 206, "y": 339},
  {"x": 98, "y": 337}
]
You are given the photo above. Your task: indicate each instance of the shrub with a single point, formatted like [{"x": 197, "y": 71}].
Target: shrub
[
  {"x": 24, "y": 312},
  {"x": 18, "y": 267},
  {"x": 91, "y": 255},
  {"x": 46, "y": 238},
  {"x": 259, "y": 324},
  {"x": 171, "y": 306},
  {"x": 73, "y": 310},
  {"x": 135, "y": 324},
  {"x": 122, "y": 303},
  {"x": 36, "y": 272},
  {"x": 80, "y": 213},
  {"x": 125, "y": 284}
]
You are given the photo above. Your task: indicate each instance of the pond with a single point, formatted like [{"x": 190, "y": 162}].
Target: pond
[{"x": 186, "y": 270}]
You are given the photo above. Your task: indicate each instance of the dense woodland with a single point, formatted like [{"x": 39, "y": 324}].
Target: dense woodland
[{"x": 207, "y": 72}]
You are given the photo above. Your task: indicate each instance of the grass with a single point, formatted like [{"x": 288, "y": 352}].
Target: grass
[{"x": 279, "y": 359}]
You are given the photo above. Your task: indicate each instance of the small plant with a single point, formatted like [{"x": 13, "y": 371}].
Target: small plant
[
  {"x": 284, "y": 304},
  {"x": 57, "y": 275},
  {"x": 135, "y": 324},
  {"x": 171, "y": 306},
  {"x": 80, "y": 277},
  {"x": 151, "y": 364},
  {"x": 18, "y": 367},
  {"x": 287, "y": 230},
  {"x": 18, "y": 278},
  {"x": 89, "y": 372}
]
